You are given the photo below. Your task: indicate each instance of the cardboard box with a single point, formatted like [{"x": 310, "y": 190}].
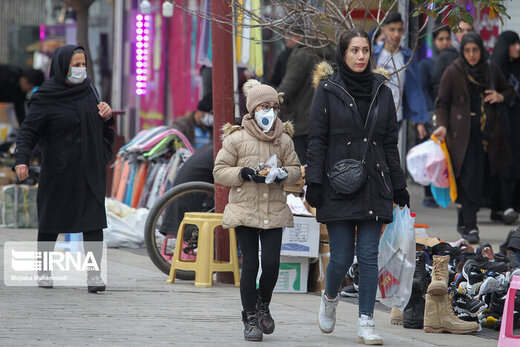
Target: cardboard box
[
  {"x": 324, "y": 235},
  {"x": 302, "y": 240},
  {"x": 298, "y": 186},
  {"x": 318, "y": 269}
]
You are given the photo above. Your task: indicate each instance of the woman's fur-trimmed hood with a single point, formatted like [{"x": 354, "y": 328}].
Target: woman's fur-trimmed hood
[
  {"x": 323, "y": 70},
  {"x": 229, "y": 129}
]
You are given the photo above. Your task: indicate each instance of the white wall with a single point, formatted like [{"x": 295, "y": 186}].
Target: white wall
[{"x": 513, "y": 9}]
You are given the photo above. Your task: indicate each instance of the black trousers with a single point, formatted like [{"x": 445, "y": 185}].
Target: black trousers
[
  {"x": 271, "y": 240},
  {"x": 93, "y": 239}
]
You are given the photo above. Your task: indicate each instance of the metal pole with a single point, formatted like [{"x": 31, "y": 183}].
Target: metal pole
[{"x": 223, "y": 109}]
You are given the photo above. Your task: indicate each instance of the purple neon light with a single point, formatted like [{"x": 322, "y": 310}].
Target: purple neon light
[{"x": 142, "y": 32}]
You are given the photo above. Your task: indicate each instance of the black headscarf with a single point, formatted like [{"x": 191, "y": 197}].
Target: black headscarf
[
  {"x": 500, "y": 54},
  {"x": 478, "y": 71},
  {"x": 359, "y": 84},
  {"x": 56, "y": 87}
]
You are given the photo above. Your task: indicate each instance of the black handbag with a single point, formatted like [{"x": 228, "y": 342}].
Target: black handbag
[{"x": 348, "y": 175}]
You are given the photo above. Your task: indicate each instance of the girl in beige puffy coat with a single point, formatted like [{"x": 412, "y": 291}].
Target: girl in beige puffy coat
[{"x": 257, "y": 207}]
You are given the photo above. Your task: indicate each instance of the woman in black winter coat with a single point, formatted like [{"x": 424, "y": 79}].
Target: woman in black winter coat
[
  {"x": 506, "y": 55},
  {"x": 73, "y": 129},
  {"x": 344, "y": 106}
]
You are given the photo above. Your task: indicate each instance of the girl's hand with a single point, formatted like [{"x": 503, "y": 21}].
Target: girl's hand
[
  {"x": 104, "y": 110},
  {"x": 492, "y": 96},
  {"x": 421, "y": 131},
  {"x": 22, "y": 171}
]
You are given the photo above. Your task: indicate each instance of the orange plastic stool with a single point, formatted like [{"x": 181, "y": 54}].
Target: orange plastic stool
[
  {"x": 507, "y": 338},
  {"x": 205, "y": 264}
]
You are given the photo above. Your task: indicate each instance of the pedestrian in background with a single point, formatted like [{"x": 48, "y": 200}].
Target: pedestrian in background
[
  {"x": 405, "y": 83},
  {"x": 506, "y": 55},
  {"x": 73, "y": 129},
  {"x": 15, "y": 83},
  {"x": 198, "y": 125},
  {"x": 257, "y": 208},
  {"x": 345, "y": 105},
  {"x": 470, "y": 124}
]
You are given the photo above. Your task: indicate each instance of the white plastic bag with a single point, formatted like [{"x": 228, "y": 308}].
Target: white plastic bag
[
  {"x": 422, "y": 161},
  {"x": 125, "y": 225},
  {"x": 437, "y": 168},
  {"x": 396, "y": 261}
]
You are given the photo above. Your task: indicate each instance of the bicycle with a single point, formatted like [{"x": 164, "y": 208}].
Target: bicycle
[{"x": 165, "y": 217}]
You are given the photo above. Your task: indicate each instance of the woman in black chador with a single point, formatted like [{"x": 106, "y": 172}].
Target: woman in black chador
[{"x": 73, "y": 128}]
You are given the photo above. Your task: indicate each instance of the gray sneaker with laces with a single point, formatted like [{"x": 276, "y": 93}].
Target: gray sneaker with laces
[{"x": 327, "y": 314}]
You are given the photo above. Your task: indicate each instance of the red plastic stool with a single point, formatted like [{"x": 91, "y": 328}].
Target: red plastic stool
[{"x": 507, "y": 338}]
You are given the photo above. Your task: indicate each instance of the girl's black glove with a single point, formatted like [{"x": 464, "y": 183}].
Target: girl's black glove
[
  {"x": 250, "y": 174},
  {"x": 402, "y": 198},
  {"x": 314, "y": 194}
]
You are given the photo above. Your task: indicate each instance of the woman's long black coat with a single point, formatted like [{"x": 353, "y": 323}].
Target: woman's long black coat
[
  {"x": 337, "y": 132},
  {"x": 70, "y": 194}
]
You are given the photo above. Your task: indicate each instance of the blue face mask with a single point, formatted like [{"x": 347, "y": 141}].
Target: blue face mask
[{"x": 265, "y": 119}]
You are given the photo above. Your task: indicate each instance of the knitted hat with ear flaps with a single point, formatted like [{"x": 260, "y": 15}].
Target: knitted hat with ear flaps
[{"x": 257, "y": 93}]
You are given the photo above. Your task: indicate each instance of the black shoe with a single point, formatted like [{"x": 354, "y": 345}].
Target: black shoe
[
  {"x": 510, "y": 216},
  {"x": 463, "y": 303},
  {"x": 497, "y": 301},
  {"x": 472, "y": 272},
  {"x": 413, "y": 314},
  {"x": 472, "y": 237},
  {"x": 461, "y": 229},
  {"x": 265, "y": 320},
  {"x": 44, "y": 280},
  {"x": 95, "y": 283},
  {"x": 420, "y": 277},
  {"x": 349, "y": 292},
  {"x": 252, "y": 331},
  {"x": 353, "y": 274}
]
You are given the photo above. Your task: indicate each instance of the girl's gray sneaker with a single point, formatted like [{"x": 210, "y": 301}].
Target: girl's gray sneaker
[{"x": 327, "y": 314}]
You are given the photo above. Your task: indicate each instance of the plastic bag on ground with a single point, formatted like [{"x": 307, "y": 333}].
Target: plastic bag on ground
[
  {"x": 396, "y": 261},
  {"x": 125, "y": 225}
]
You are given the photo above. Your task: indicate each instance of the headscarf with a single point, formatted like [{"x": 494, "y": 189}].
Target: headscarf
[
  {"x": 359, "y": 84},
  {"x": 478, "y": 71},
  {"x": 500, "y": 53},
  {"x": 56, "y": 87}
]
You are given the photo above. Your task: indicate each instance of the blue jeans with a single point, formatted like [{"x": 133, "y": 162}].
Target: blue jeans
[{"x": 342, "y": 238}]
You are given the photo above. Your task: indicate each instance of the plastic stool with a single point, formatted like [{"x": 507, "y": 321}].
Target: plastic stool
[
  {"x": 205, "y": 264},
  {"x": 506, "y": 328}
]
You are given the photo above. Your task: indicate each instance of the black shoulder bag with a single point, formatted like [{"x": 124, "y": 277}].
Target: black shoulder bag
[{"x": 348, "y": 175}]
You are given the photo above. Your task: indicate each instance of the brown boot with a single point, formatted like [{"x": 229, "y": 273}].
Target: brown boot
[
  {"x": 439, "y": 317},
  {"x": 396, "y": 316},
  {"x": 440, "y": 275}
]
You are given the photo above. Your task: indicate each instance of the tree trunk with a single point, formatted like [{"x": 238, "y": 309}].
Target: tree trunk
[{"x": 81, "y": 8}]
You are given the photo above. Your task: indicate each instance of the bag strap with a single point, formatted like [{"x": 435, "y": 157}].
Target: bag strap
[
  {"x": 372, "y": 126},
  {"x": 95, "y": 93}
]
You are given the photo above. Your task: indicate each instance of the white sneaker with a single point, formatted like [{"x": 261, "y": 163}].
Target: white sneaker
[
  {"x": 327, "y": 315},
  {"x": 367, "y": 331}
]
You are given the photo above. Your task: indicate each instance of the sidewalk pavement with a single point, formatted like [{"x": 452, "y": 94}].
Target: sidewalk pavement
[{"x": 139, "y": 308}]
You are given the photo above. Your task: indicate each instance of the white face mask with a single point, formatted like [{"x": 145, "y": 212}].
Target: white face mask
[
  {"x": 207, "y": 120},
  {"x": 265, "y": 119},
  {"x": 77, "y": 75}
]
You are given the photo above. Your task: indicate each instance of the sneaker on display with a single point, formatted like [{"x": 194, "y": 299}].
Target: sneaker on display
[
  {"x": 353, "y": 274},
  {"x": 349, "y": 291},
  {"x": 463, "y": 303}
]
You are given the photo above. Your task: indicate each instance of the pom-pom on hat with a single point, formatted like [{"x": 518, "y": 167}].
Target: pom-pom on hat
[{"x": 257, "y": 93}]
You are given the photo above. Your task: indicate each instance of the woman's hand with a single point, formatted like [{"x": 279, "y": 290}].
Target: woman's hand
[
  {"x": 440, "y": 133},
  {"x": 105, "y": 111},
  {"x": 492, "y": 96},
  {"x": 22, "y": 171},
  {"x": 421, "y": 131}
]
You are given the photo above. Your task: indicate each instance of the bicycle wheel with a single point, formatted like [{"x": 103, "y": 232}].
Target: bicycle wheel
[{"x": 165, "y": 217}]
